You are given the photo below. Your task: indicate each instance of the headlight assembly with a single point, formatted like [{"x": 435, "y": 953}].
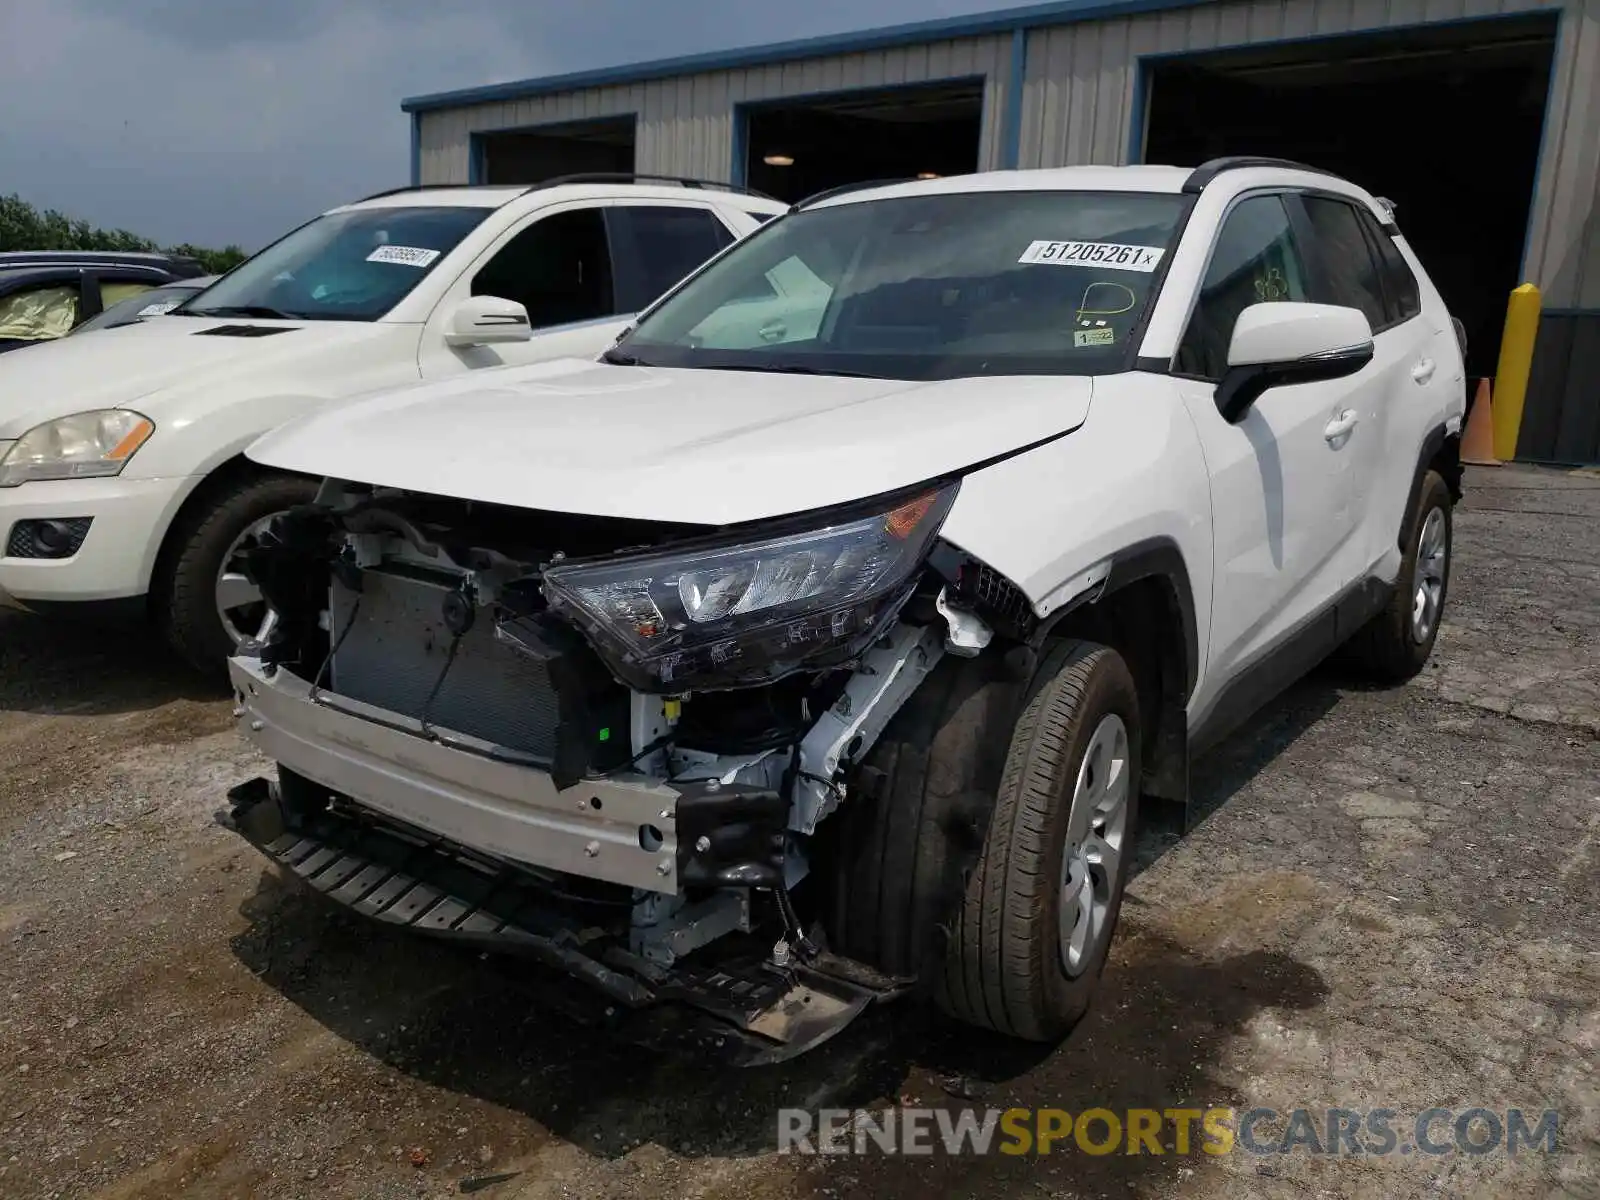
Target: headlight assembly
[
  {"x": 730, "y": 616},
  {"x": 83, "y": 446}
]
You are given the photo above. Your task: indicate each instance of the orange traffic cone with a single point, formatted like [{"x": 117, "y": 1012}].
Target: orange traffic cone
[{"x": 1477, "y": 443}]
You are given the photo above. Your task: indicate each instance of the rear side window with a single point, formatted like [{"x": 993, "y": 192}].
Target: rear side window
[
  {"x": 1401, "y": 294},
  {"x": 1349, "y": 271},
  {"x": 1256, "y": 260},
  {"x": 655, "y": 247},
  {"x": 558, "y": 268}
]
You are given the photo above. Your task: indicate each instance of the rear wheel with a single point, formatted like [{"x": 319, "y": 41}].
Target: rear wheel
[
  {"x": 204, "y": 603},
  {"x": 1394, "y": 645}
]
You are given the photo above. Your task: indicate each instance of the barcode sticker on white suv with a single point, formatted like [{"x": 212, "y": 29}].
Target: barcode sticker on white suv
[
  {"x": 1094, "y": 254},
  {"x": 406, "y": 256}
]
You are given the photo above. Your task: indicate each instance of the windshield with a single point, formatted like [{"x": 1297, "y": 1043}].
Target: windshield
[
  {"x": 348, "y": 266},
  {"x": 151, "y": 303},
  {"x": 925, "y": 287}
]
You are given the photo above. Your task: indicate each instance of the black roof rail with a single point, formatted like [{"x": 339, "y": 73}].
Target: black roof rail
[
  {"x": 410, "y": 187},
  {"x": 1207, "y": 171},
  {"x": 845, "y": 188},
  {"x": 638, "y": 177},
  {"x": 579, "y": 177}
]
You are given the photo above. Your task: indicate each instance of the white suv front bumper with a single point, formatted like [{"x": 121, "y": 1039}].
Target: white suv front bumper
[{"x": 130, "y": 516}]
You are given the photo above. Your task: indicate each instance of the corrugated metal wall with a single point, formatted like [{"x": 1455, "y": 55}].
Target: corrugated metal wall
[
  {"x": 1080, "y": 86},
  {"x": 686, "y": 124}
]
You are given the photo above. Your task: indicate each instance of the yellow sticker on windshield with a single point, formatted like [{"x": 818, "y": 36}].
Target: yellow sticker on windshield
[{"x": 1094, "y": 337}]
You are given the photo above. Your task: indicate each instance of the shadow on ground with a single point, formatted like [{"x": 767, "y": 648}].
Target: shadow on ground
[
  {"x": 460, "y": 1022},
  {"x": 67, "y": 667},
  {"x": 464, "y": 1023}
]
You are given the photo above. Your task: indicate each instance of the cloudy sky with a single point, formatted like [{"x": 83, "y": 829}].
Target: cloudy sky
[{"x": 217, "y": 121}]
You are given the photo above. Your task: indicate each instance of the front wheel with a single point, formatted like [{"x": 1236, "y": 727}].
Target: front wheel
[
  {"x": 203, "y": 601},
  {"x": 1035, "y": 925}
]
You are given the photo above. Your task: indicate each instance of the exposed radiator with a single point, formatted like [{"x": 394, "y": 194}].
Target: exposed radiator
[{"x": 394, "y": 653}]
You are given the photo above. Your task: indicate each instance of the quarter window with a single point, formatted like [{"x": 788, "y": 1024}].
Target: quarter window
[
  {"x": 1350, "y": 272},
  {"x": 656, "y": 246},
  {"x": 1256, "y": 261},
  {"x": 1401, "y": 295}
]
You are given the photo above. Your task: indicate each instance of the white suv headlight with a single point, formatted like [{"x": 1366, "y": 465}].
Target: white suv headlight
[{"x": 83, "y": 446}]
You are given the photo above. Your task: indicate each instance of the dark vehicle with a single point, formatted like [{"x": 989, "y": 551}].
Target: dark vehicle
[
  {"x": 45, "y": 294},
  {"x": 156, "y": 302}
]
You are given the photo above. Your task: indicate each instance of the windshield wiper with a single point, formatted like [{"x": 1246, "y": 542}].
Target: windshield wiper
[
  {"x": 245, "y": 310},
  {"x": 618, "y": 359},
  {"x": 791, "y": 368}
]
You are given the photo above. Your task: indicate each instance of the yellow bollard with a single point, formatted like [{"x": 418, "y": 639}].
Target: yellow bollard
[{"x": 1516, "y": 360}]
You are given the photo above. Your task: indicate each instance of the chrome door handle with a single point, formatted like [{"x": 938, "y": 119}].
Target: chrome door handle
[
  {"x": 1424, "y": 370},
  {"x": 1341, "y": 425},
  {"x": 773, "y": 331}
]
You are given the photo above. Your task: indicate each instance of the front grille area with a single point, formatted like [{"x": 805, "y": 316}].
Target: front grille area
[
  {"x": 399, "y": 643},
  {"x": 60, "y": 538}
]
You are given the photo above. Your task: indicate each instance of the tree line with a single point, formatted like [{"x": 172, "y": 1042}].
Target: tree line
[{"x": 24, "y": 227}]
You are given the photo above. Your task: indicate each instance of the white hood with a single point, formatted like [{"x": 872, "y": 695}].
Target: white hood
[
  {"x": 141, "y": 366},
  {"x": 693, "y": 446}
]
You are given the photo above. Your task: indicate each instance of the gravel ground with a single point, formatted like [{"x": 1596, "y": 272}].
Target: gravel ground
[{"x": 1390, "y": 900}]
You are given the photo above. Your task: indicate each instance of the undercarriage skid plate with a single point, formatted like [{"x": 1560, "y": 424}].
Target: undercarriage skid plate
[{"x": 749, "y": 1013}]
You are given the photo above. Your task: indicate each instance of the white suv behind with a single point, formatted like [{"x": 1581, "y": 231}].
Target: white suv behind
[
  {"x": 122, "y": 475},
  {"x": 818, "y": 644}
]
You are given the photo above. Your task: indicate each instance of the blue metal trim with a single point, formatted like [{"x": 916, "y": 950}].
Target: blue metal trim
[
  {"x": 476, "y": 150},
  {"x": 416, "y": 149},
  {"x": 1059, "y": 12},
  {"x": 1545, "y": 131},
  {"x": 1137, "y": 120},
  {"x": 739, "y": 169},
  {"x": 1143, "y": 62},
  {"x": 741, "y": 110},
  {"x": 1011, "y": 148},
  {"x": 1524, "y": 15}
]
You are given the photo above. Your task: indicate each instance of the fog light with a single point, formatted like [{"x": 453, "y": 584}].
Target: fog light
[{"x": 59, "y": 537}]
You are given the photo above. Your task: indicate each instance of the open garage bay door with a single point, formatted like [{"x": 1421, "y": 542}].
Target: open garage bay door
[
  {"x": 1446, "y": 122},
  {"x": 796, "y": 148},
  {"x": 534, "y": 155}
]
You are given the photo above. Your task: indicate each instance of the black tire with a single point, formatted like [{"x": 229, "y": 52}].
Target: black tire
[
  {"x": 1388, "y": 648},
  {"x": 946, "y": 858},
  {"x": 893, "y": 855},
  {"x": 1005, "y": 969},
  {"x": 185, "y": 588}
]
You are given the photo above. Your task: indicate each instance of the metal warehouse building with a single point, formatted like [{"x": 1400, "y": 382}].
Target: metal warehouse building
[{"x": 1480, "y": 119}]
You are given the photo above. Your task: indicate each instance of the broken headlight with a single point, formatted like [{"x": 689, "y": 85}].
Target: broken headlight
[{"x": 730, "y": 616}]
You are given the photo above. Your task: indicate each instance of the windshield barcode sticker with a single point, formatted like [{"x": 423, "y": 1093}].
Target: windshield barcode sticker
[
  {"x": 159, "y": 308},
  {"x": 1094, "y": 254},
  {"x": 406, "y": 256}
]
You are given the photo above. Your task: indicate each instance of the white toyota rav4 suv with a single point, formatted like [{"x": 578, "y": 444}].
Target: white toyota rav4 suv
[
  {"x": 817, "y": 644},
  {"x": 122, "y": 476}
]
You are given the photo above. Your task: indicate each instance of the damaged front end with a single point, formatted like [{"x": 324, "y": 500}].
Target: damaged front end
[{"x": 606, "y": 744}]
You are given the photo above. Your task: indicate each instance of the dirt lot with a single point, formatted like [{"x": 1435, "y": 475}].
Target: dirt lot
[{"x": 1393, "y": 900}]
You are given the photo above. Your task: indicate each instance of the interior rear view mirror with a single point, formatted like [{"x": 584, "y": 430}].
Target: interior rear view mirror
[
  {"x": 487, "y": 321},
  {"x": 1288, "y": 342}
]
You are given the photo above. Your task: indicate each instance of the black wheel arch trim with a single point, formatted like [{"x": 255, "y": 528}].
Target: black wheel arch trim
[
  {"x": 1157, "y": 557},
  {"x": 1438, "y": 440}
]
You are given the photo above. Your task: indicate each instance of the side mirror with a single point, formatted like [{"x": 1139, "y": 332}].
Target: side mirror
[
  {"x": 1288, "y": 342},
  {"x": 487, "y": 321}
]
